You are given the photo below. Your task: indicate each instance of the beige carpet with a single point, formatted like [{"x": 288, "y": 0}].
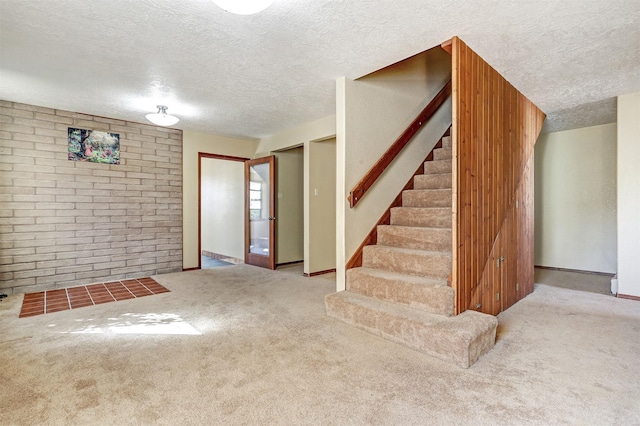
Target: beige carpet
[{"x": 255, "y": 347}]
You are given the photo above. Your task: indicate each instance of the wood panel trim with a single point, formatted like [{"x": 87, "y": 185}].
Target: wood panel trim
[
  {"x": 628, "y": 297},
  {"x": 222, "y": 157},
  {"x": 372, "y": 237},
  {"x": 455, "y": 101},
  {"x": 293, "y": 262},
  {"x": 367, "y": 181},
  {"x": 313, "y": 274},
  {"x": 447, "y": 46}
]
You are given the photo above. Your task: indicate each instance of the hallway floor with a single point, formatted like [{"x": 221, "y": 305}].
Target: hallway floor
[{"x": 209, "y": 262}]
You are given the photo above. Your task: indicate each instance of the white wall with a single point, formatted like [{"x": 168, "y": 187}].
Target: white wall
[
  {"x": 629, "y": 194},
  {"x": 371, "y": 113},
  {"x": 289, "y": 206},
  {"x": 222, "y": 204},
  {"x": 192, "y": 144},
  {"x": 322, "y": 206},
  {"x": 575, "y": 199}
]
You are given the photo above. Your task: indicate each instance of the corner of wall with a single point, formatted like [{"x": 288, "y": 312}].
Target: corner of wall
[{"x": 628, "y": 158}]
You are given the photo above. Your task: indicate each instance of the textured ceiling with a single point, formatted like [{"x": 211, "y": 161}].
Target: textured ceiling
[{"x": 256, "y": 75}]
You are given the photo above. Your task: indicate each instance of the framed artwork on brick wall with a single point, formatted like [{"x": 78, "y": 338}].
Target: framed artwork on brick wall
[{"x": 94, "y": 146}]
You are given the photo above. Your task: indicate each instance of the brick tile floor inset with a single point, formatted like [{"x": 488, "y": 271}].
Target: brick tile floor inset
[
  {"x": 99, "y": 294},
  {"x": 119, "y": 291},
  {"x": 64, "y": 299}
]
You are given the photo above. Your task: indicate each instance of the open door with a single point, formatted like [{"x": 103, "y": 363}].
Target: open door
[{"x": 260, "y": 217}]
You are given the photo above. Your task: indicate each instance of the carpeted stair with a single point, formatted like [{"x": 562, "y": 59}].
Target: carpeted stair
[{"x": 401, "y": 292}]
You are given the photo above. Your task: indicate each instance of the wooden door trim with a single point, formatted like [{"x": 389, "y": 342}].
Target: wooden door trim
[{"x": 202, "y": 155}]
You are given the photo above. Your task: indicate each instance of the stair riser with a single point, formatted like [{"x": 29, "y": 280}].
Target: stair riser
[
  {"x": 436, "y": 218},
  {"x": 442, "y": 166},
  {"x": 431, "y": 298},
  {"x": 411, "y": 263},
  {"x": 432, "y": 181},
  {"x": 438, "y": 340},
  {"x": 442, "y": 154},
  {"x": 426, "y": 198},
  {"x": 446, "y": 142},
  {"x": 415, "y": 238}
]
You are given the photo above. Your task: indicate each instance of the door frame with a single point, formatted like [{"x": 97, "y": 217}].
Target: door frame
[{"x": 202, "y": 155}]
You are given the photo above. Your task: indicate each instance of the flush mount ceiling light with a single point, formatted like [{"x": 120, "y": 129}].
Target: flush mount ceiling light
[
  {"x": 243, "y": 7},
  {"x": 161, "y": 118}
]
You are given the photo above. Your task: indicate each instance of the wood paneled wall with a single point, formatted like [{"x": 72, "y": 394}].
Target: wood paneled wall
[{"x": 493, "y": 134}]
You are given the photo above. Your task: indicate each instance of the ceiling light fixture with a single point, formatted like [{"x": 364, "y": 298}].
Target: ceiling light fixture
[
  {"x": 161, "y": 118},
  {"x": 243, "y": 7}
]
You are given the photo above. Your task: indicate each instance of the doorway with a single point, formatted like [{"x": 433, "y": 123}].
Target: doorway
[
  {"x": 220, "y": 210},
  {"x": 290, "y": 206},
  {"x": 320, "y": 255}
]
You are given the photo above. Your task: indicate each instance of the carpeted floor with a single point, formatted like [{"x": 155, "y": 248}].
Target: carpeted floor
[{"x": 242, "y": 345}]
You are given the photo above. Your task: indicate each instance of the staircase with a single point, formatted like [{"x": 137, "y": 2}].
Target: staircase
[{"x": 401, "y": 292}]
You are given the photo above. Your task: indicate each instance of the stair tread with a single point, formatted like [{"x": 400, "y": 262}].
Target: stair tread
[
  {"x": 436, "y": 174},
  {"x": 413, "y": 228},
  {"x": 416, "y": 216},
  {"x": 425, "y": 280},
  {"x": 408, "y": 250},
  {"x": 395, "y": 309},
  {"x": 438, "y": 166},
  {"x": 460, "y": 339},
  {"x": 428, "y": 294},
  {"x": 416, "y": 237},
  {"x": 423, "y": 207},
  {"x": 442, "y": 161},
  {"x": 428, "y": 190},
  {"x": 443, "y": 180},
  {"x": 456, "y": 327},
  {"x": 429, "y": 197}
]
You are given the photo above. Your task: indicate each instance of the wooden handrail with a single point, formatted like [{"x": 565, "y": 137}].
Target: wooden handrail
[{"x": 367, "y": 181}]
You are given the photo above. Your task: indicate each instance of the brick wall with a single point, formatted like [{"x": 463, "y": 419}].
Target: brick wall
[{"x": 65, "y": 223}]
